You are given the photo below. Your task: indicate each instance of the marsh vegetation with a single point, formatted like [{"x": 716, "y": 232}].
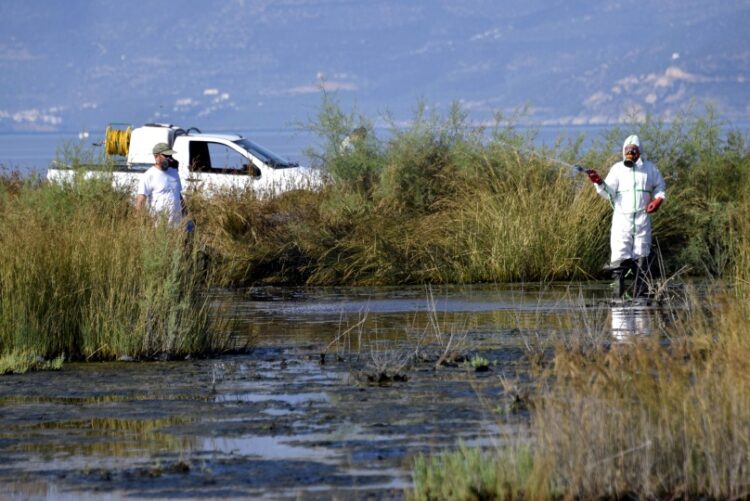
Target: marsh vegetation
[{"x": 83, "y": 278}]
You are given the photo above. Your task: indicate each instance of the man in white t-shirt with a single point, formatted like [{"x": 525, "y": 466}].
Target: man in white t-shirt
[{"x": 160, "y": 188}]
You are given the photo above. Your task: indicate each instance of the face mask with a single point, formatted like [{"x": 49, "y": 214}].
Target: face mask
[{"x": 633, "y": 153}]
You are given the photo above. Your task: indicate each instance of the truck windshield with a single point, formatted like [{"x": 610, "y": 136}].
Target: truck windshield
[{"x": 264, "y": 154}]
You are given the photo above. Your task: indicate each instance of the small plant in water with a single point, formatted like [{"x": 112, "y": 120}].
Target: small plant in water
[
  {"x": 479, "y": 363},
  {"x": 387, "y": 365}
]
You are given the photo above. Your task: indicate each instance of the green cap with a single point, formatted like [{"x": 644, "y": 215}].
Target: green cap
[{"x": 163, "y": 148}]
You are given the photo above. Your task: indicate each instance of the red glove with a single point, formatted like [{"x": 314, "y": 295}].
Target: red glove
[
  {"x": 594, "y": 176},
  {"x": 653, "y": 205}
]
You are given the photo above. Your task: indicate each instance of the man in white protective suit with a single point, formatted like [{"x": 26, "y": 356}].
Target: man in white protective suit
[{"x": 636, "y": 189}]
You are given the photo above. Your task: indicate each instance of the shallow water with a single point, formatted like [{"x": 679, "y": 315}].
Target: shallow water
[{"x": 297, "y": 417}]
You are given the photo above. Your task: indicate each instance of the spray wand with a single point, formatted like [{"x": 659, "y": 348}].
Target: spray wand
[{"x": 575, "y": 167}]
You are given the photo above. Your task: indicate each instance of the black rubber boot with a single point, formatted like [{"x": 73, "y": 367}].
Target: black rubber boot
[
  {"x": 620, "y": 272},
  {"x": 642, "y": 278},
  {"x": 618, "y": 286}
]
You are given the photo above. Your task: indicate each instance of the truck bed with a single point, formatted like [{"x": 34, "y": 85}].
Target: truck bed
[
  {"x": 116, "y": 167},
  {"x": 122, "y": 175}
]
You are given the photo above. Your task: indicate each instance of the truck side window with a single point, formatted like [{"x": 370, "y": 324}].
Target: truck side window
[
  {"x": 226, "y": 160},
  {"x": 200, "y": 160}
]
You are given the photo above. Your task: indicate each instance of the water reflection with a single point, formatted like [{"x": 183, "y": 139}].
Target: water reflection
[
  {"x": 400, "y": 314},
  {"x": 100, "y": 437},
  {"x": 273, "y": 448},
  {"x": 290, "y": 399},
  {"x": 630, "y": 322}
]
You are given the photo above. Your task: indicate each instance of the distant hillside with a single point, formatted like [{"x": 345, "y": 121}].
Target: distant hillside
[{"x": 262, "y": 63}]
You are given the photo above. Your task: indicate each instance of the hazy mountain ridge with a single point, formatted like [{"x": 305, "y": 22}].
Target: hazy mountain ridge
[{"x": 262, "y": 63}]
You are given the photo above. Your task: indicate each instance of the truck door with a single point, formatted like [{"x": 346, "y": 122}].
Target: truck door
[{"x": 214, "y": 165}]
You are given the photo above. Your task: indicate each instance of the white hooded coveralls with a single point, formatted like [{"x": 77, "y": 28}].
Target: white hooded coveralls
[{"x": 629, "y": 190}]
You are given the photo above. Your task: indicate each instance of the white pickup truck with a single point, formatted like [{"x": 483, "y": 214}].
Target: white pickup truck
[{"x": 206, "y": 162}]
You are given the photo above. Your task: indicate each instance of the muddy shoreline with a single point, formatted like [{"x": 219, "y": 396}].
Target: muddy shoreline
[{"x": 275, "y": 423}]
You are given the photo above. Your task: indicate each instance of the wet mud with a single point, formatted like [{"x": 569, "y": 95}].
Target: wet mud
[
  {"x": 274, "y": 423},
  {"x": 335, "y": 401}
]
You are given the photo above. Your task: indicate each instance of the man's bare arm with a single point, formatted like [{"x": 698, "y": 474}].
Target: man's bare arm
[{"x": 140, "y": 202}]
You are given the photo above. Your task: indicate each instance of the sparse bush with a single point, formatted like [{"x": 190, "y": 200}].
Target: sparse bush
[{"x": 354, "y": 163}]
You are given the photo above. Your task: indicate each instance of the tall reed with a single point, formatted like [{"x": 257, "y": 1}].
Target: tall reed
[{"x": 81, "y": 276}]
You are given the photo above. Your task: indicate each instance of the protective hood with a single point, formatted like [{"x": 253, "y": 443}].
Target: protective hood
[{"x": 632, "y": 140}]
